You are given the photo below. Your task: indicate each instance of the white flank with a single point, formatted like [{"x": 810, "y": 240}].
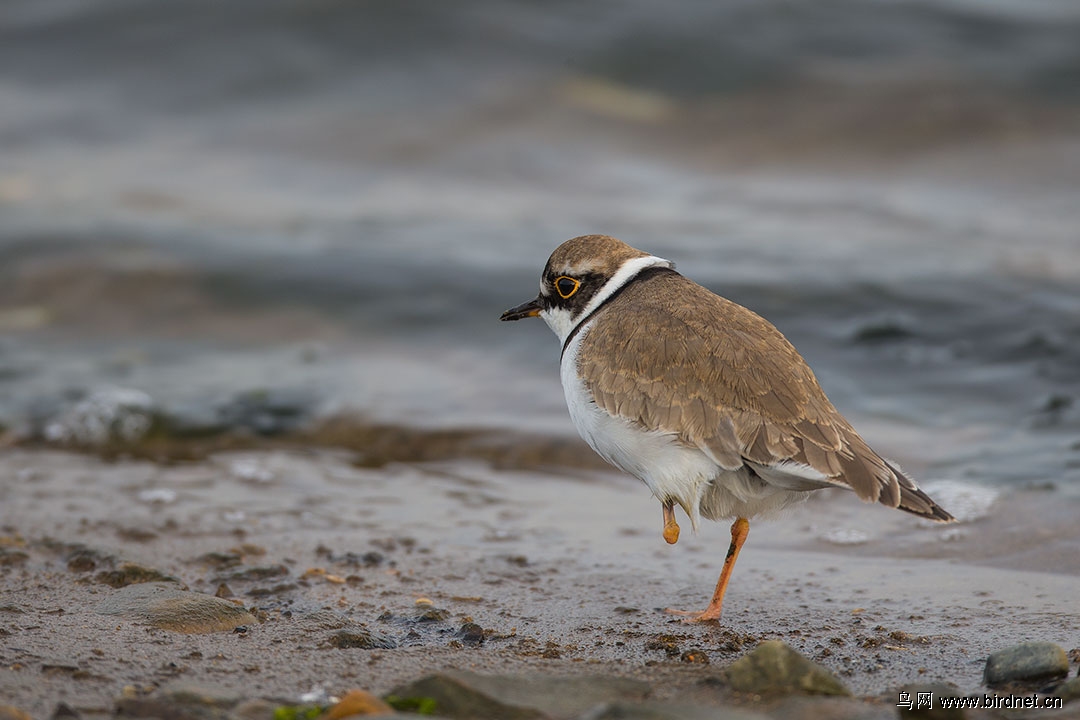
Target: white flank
[{"x": 670, "y": 468}]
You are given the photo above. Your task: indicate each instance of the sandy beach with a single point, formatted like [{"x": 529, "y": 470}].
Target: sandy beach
[{"x": 565, "y": 571}]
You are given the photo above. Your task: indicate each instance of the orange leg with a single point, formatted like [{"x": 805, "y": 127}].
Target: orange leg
[
  {"x": 671, "y": 528},
  {"x": 739, "y": 530}
]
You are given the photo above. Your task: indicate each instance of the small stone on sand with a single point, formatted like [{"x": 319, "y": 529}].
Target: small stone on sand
[
  {"x": 167, "y": 607},
  {"x": 773, "y": 668}
]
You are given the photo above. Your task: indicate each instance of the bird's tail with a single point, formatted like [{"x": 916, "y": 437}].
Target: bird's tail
[{"x": 915, "y": 501}]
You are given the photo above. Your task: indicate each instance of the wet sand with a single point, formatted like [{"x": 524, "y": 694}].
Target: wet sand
[{"x": 564, "y": 570}]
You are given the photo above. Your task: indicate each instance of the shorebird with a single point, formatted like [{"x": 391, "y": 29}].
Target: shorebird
[{"x": 702, "y": 399}]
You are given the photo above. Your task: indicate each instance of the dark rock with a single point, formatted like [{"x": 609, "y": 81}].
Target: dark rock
[
  {"x": 361, "y": 638},
  {"x": 220, "y": 560},
  {"x": 430, "y": 613},
  {"x": 83, "y": 560},
  {"x": 265, "y": 572},
  {"x": 1026, "y": 662},
  {"x": 132, "y": 574},
  {"x": 470, "y": 634},
  {"x": 168, "y": 607},
  {"x": 454, "y": 698},
  {"x": 773, "y": 668},
  {"x": 12, "y": 558},
  {"x": 135, "y": 534},
  {"x": 556, "y": 696},
  {"x": 64, "y": 711}
]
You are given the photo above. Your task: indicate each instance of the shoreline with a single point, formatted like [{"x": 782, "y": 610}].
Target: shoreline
[{"x": 563, "y": 574}]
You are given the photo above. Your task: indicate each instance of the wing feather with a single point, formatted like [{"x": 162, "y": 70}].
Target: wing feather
[{"x": 728, "y": 382}]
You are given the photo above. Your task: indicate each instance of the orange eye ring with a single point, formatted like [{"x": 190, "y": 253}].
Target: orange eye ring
[{"x": 566, "y": 286}]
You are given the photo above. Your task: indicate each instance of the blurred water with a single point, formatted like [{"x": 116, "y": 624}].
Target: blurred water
[{"x": 264, "y": 212}]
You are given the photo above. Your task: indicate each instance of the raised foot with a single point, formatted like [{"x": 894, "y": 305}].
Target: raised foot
[
  {"x": 693, "y": 616},
  {"x": 671, "y": 527}
]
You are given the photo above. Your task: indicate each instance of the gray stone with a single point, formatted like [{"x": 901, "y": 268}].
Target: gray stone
[
  {"x": 556, "y": 696},
  {"x": 470, "y": 634},
  {"x": 64, "y": 711},
  {"x": 667, "y": 711},
  {"x": 361, "y": 637},
  {"x": 455, "y": 699},
  {"x": 132, "y": 574},
  {"x": 1026, "y": 662},
  {"x": 168, "y": 607},
  {"x": 773, "y": 668},
  {"x": 182, "y": 700}
]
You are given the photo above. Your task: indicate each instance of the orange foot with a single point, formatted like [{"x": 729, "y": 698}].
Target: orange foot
[
  {"x": 739, "y": 530},
  {"x": 671, "y": 528},
  {"x": 690, "y": 616}
]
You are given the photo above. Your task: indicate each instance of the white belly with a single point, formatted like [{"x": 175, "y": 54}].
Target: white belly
[{"x": 670, "y": 468}]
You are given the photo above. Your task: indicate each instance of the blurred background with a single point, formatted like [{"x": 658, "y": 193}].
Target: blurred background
[{"x": 263, "y": 219}]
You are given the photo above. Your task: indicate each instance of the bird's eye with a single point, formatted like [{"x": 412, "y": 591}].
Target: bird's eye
[{"x": 566, "y": 286}]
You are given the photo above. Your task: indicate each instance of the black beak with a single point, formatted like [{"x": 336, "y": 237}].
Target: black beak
[{"x": 524, "y": 310}]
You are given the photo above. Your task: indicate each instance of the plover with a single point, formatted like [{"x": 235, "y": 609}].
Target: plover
[{"x": 697, "y": 396}]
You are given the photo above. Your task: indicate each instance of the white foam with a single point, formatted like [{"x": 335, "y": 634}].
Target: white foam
[
  {"x": 846, "y": 536},
  {"x": 966, "y": 501},
  {"x": 157, "y": 495}
]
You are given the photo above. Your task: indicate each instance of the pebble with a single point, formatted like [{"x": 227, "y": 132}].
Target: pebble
[
  {"x": 460, "y": 694},
  {"x": 132, "y": 574},
  {"x": 361, "y": 638},
  {"x": 168, "y": 607},
  {"x": 557, "y": 696},
  {"x": 187, "y": 701},
  {"x": 64, "y": 711},
  {"x": 774, "y": 668},
  {"x": 1026, "y": 662},
  {"x": 470, "y": 634}
]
